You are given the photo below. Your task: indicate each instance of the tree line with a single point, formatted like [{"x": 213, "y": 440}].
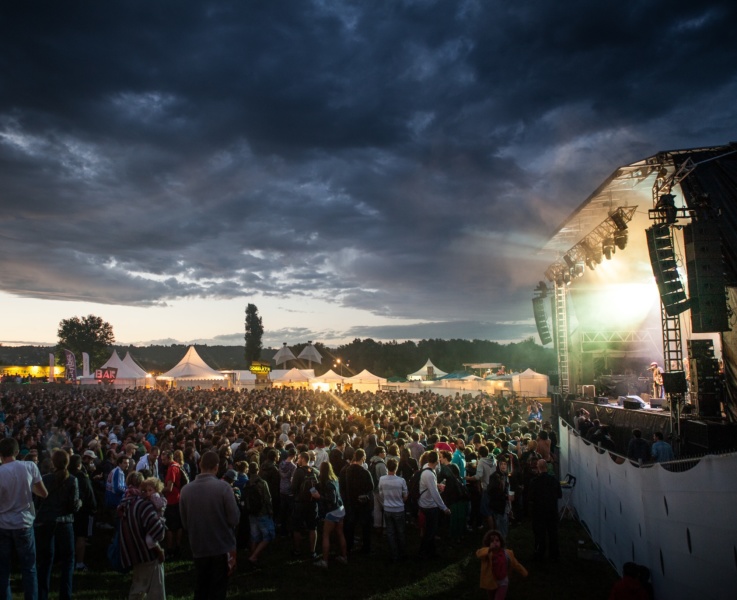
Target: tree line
[{"x": 386, "y": 359}]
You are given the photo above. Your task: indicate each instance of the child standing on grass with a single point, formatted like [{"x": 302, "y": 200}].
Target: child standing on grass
[
  {"x": 151, "y": 489},
  {"x": 496, "y": 562}
]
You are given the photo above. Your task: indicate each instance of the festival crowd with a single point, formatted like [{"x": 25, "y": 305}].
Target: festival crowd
[{"x": 226, "y": 471}]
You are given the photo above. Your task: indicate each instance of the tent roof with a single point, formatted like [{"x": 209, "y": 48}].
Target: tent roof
[
  {"x": 192, "y": 367},
  {"x": 530, "y": 374},
  {"x": 311, "y": 354},
  {"x": 328, "y": 377},
  {"x": 423, "y": 370},
  {"x": 128, "y": 360},
  {"x": 290, "y": 375},
  {"x": 124, "y": 370},
  {"x": 366, "y": 376},
  {"x": 283, "y": 355}
]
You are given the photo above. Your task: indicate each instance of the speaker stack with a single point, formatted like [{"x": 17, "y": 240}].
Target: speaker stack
[
  {"x": 705, "y": 380},
  {"x": 663, "y": 261},
  {"x": 706, "y": 280},
  {"x": 541, "y": 320}
]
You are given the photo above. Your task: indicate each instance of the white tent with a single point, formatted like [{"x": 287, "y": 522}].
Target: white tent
[
  {"x": 192, "y": 370},
  {"x": 291, "y": 378},
  {"x": 327, "y": 381},
  {"x": 128, "y": 360},
  {"x": 126, "y": 376},
  {"x": 240, "y": 379},
  {"x": 365, "y": 381},
  {"x": 530, "y": 384},
  {"x": 427, "y": 372}
]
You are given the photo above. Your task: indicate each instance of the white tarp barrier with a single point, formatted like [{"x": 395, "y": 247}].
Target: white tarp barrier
[{"x": 681, "y": 525}]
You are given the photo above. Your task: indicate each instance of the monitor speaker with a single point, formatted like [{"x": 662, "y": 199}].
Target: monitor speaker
[{"x": 675, "y": 382}]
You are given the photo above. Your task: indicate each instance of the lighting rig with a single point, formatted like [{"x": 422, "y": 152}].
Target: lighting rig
[{"x": 601, "y": 243}]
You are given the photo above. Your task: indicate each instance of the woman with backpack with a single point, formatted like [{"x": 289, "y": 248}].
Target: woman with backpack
[{"x": 332, "y": 515}]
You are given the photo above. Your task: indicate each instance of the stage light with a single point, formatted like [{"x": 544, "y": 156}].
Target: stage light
[
  {"x": 578, "y": 270},
  {"x": 569, "y": 261},
  {"x": 590, "y": 263},
  {"x": 566, "y": 277},
  {"x": 620, "y": 239},
  {"x": 608, "y": 248}
]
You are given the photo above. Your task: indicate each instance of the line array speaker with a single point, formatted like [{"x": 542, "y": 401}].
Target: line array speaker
[
  {"x": 541, "y": 320},
  {"x": 663, "y": 262}
]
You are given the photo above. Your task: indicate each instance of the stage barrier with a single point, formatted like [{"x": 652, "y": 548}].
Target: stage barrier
[{"x": 679, "y": 519}]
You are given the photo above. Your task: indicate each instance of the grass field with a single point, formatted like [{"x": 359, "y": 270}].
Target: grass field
[{"x": 455, "y": 575}]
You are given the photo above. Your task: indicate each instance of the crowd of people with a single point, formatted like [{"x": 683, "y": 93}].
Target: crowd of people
[
  {"x": 226, "y": 471},
  {"x": 638, "y": 449}
]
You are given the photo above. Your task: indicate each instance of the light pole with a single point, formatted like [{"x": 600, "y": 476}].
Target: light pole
[{"x": 339, "y": 363}]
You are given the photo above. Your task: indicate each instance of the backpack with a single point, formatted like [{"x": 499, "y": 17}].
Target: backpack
[
  {"x": 252, "y": 501},
  {"x": 183, "y": 477},
  {"x": 413, "y": 491},
  {"x": 309, "y": 482},
  {"x": 374, "y": 474},
  {"x": 329, "y": 500}
]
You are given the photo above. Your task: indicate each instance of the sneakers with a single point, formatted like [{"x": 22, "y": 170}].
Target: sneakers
[
  {"x": 341, "y": 559},
  {"x": 81, "y": 568},
  {"x": 321, "y": 564}
]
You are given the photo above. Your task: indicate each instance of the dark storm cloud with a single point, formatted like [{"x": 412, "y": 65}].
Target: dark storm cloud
[{"x": 406, "y": 158}]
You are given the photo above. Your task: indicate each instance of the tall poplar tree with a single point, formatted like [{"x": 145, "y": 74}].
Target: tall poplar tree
[{"x": 254, "y": 333}]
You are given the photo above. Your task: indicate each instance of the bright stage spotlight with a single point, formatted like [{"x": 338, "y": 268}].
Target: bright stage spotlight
[
  {"x": 620, "y": 239},
  {"x": 608, "y": 248}
]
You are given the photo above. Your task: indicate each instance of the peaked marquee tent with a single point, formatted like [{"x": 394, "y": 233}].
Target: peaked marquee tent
[
  {"x": 365, "y": 381},
  {"x": 192, "y": 370},
  {"x": 427, "y": 372},
  {"x": 529, "y": 383},
  {"x": 127, "y": 376},
  {"x": 292, "y": 378}
]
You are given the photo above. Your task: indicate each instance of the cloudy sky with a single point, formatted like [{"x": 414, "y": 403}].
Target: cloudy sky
[{"x": 354, "y": 169}]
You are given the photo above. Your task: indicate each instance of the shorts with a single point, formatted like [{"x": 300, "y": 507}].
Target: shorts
[
  {"x": 336, "y": 516},
  {"x": 172, "y": 517},
  {"x": 304, "y": 516},
  {"x": 262, "y": 529}
]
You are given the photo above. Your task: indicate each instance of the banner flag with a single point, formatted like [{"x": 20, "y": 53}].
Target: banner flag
[
  {"x": 85, "y": 364},
  {"x": 71, "y": 365},
  {"x": 52, "y": 360}
]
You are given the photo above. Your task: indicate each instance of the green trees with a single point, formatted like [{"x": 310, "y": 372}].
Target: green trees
[
  {"x": 254, "y": 333},
  {"x": 86, "y": 334}
]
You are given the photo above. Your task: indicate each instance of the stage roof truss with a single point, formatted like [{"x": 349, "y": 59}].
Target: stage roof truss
[
  {"x": 589, "y": 248},
  {"x": 597, "y": 342}
]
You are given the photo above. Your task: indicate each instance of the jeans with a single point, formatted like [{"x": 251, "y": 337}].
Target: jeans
[
  {"x": 49, "y": 539},
  {"x": 395, "y": 524},
  {"x": 427, "y": 544},
  {"x": 211, "y": 577},
  {"x": 24, "y": 543},
  {"x": 501, "y": 523}
]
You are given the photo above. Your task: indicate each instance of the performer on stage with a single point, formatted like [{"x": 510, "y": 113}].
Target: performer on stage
[{"x": 658, "y": 389}]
